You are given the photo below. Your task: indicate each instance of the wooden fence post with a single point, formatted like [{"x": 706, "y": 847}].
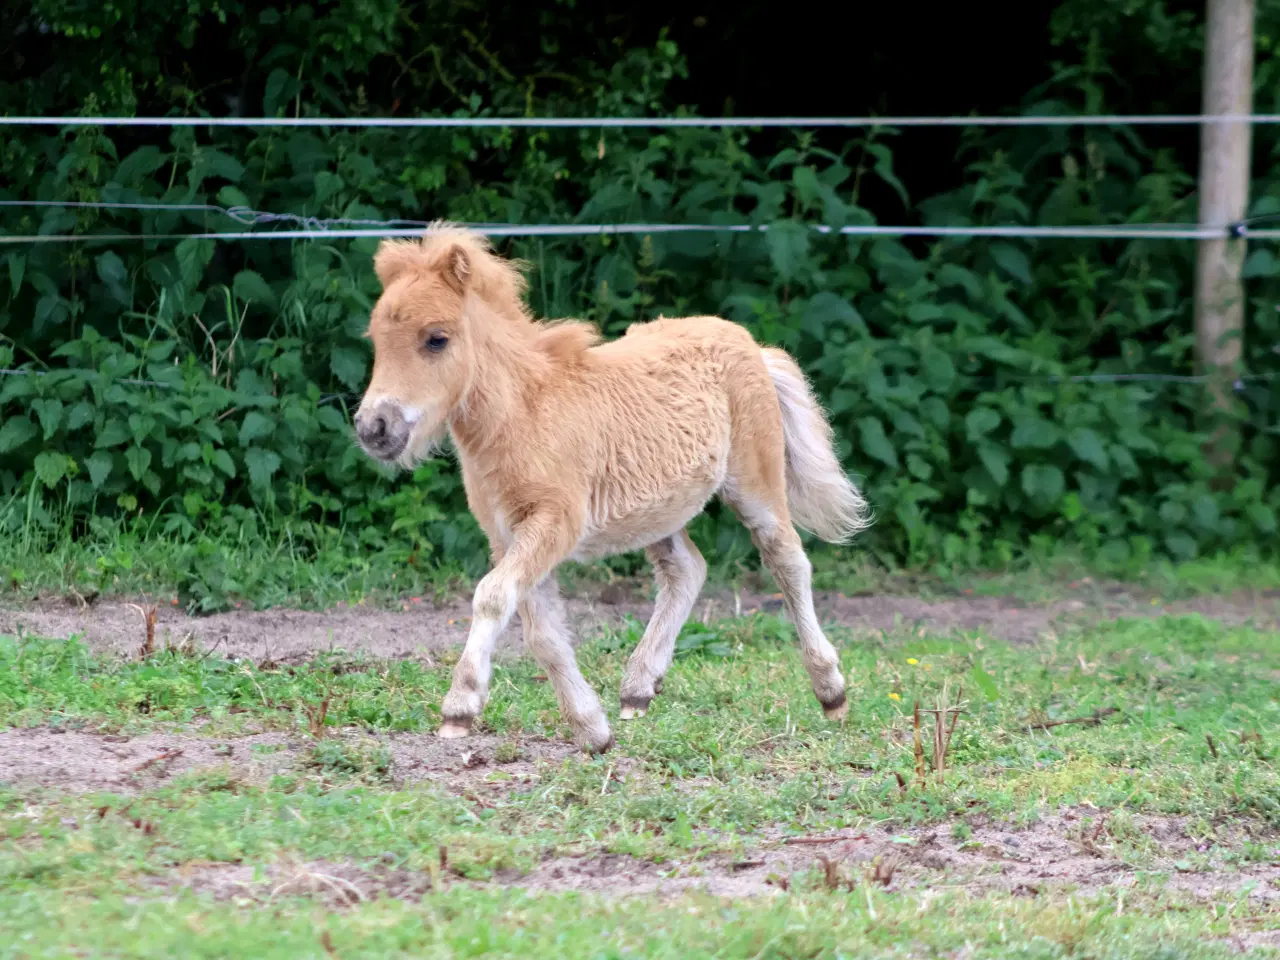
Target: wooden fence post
[{"x": 1224, "y": 199}]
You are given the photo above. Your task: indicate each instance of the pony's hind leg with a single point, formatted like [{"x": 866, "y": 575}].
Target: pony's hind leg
[
  {"x": 771, "y": 531},
  {"x": 546, "y": 635},
  {"x": 680, "y": 571}
]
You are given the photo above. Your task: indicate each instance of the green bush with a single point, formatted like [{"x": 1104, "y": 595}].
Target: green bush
[{"x": 207, "y": 387}]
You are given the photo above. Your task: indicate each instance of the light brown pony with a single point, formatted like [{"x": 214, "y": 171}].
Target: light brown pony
[{"x": 576, "y": 449}]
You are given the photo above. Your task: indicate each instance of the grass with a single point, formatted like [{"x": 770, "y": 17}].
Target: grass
[
  {"x": 264, "y": 565},
  {"x": 470, "y": 923},
  {"x": 734, "y": 757},
  {"x": 737, "y": 712}
]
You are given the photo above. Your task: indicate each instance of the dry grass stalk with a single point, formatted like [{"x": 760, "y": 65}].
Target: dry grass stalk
[
  {"x": 316, "y": 716},
  {"x": 917, "y": 743},
  {"x": 882, "y": 869},
  {"x": 149, "y": 625},
  {"x": 945, "y": 719},
  {"x": 158, "y": 758},
  {"x": 830, "y": 873}
]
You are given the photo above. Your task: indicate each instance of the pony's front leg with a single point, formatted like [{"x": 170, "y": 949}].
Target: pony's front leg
[
  {"x": 537, "y": 547},
  {"x": 492, "y": 608}
]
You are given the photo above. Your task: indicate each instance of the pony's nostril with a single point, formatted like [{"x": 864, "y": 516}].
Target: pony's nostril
[{"x": 379, "y": 430}]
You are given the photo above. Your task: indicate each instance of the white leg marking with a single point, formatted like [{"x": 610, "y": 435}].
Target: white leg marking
[
  {"x": 786, "y": 560},
  {"x": 493, "y": 607},
  {"x": 783, "y": 555}
]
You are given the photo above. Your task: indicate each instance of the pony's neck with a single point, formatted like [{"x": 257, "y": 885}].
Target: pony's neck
[{"x": 508, "y": 368}]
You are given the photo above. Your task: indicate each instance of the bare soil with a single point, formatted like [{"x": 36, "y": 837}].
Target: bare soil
[
  {"x": 1059, "y": 852},
  {"x": 425, "y": 628},
  {"x": 1074, "y": 849},
  {"x": 1055, "y": 855},
  {"x": 84, "y": 761}
]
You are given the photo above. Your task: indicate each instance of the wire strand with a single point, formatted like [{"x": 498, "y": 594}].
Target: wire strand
[
  {"x": 1042, "y": 120},
  {"x": 1135, "y": 232},
  {"x": 316, "y": 227}
]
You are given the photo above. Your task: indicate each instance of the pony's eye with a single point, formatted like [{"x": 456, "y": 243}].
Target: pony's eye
[{"x": 436, "y": 342}]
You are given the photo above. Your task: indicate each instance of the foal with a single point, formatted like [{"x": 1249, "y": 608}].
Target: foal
[{"x": 574, "y": 449}]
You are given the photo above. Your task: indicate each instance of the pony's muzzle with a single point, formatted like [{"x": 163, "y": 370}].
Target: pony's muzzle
[{"x": 383, "y": 431}]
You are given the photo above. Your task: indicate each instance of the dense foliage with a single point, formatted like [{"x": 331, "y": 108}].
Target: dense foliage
[{"x": 205, "y": 387}]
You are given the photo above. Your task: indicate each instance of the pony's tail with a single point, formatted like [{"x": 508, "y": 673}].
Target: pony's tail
[{"x": 822, "y": 499}]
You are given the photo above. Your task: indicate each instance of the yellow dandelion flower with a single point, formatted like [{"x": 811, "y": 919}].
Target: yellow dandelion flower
[
  {"x": 912, "y": 660},
  {"x": 895, "y": 696}
]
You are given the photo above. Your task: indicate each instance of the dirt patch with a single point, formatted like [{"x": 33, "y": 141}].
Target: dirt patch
[
  {"x": 336, "y": 884},
  {"x": 425, "y": 628},
  {"x": 1070, "y": 850},
  {"x": 480, "y": 764},
  {"x": 1056, "y": 855},
  {"x": 79, "y": 761}
]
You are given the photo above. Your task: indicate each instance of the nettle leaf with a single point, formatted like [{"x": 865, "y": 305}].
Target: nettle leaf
[
  {"x": 113, "y": 433},
  {"x": 1012, "y": 261},
  {"x": 193, "y": 256},
  {"x": 208, "y": 162},
  {"x": 251, "y": 288},
  {"x": 980, "y": 421},
  {"x": 327, "y": 186},
  {"x": 905, "y": 422},
  {"x": 935, "y": 410},
  {"x": 996, "y": 459},
  {"x": 788, "y": 244},
  {"x": 919, "y": 467},
  {"x": 349, "y": 365},
  {"x": 15, "y": 431},
  {"x": 140, "y": 164},
  {"x": 51, "y": 467},
  {"x": 17, "y": 268},
  {"x": 875, "y": 443},
  {"x": 255, "y": 426},
  {"x": 951, "y": 275},
  {"x": 1088, "y": 446},
  {"x": 1043, "y": 483},
  {"x": 1204, "y": 511},
  {"x": 222, "y": 460},
  {"x": 806, "y": 183},
  {"x": 828, "y": 311},
  {"x": 49, "y": 413},
  {"x": 280, "y": 87},
  {"x": 884, "y": 170},
  {"x": 138, "y": 460},
  {"x": 50, "y": 311},
  {"x": 1034, "y": 432},
  {"x": 1182, "y": 546},
  {"x": 112, "y": 272},
  {"x": 1262, "y": 517},
  {"x": 939, "y": 371},
  {"x": 1260, "y": 263},
  {"x": 99, "y": 465},
  {"x": 262, "y": 465},
  {"x": 81, "y": 414},
  {"x": 925, "y": 312}
]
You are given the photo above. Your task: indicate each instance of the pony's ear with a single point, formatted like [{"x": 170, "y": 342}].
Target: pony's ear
[
  {"x": 395, "y": 257},
  {"x": 457, "y": 268}
]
